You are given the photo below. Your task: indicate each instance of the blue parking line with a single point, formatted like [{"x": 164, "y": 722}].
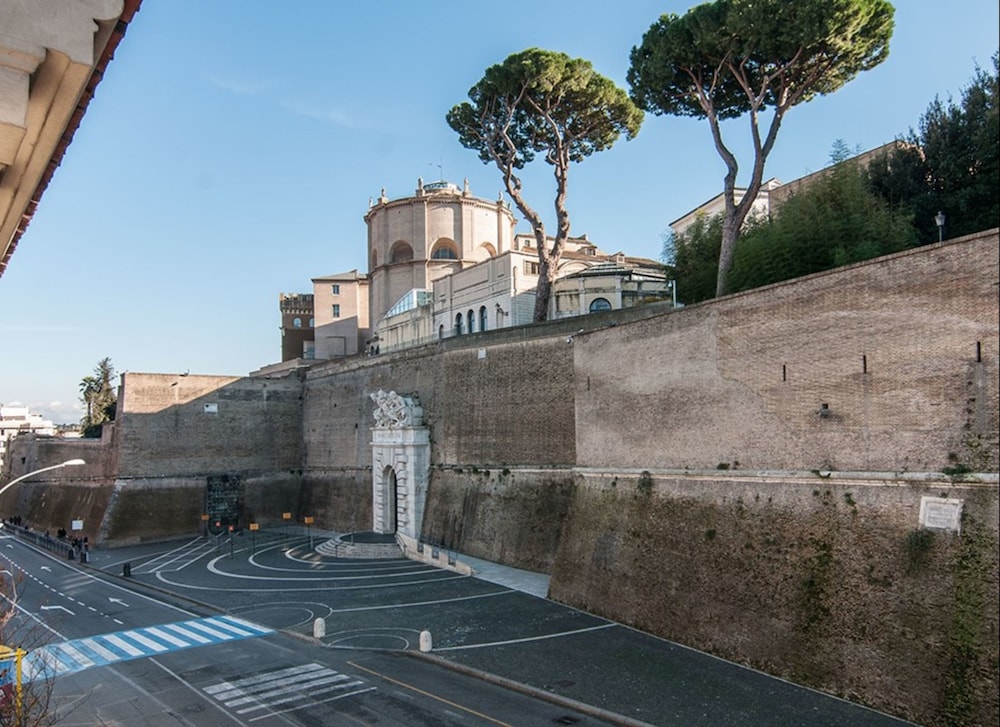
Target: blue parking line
[{"x": 72, "y": 656}]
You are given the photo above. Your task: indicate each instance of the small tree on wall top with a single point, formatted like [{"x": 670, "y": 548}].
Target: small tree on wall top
[
  {"x": 98, "y": 397},
  {"x": 728, "y": 58},
  {"x": 543, "y": 102}
]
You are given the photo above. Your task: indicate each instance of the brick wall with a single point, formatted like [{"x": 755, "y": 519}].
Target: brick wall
[
  {"x": 890, "y": 347},
  {"x": 170, "y": 425}
]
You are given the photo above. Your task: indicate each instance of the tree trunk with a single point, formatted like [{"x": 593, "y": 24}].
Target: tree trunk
[
  {"x": 730, "y": 231},
  {"x": 546, "y": 275}
]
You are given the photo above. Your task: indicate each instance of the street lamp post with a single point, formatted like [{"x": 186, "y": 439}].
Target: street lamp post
[
  {"x": 939, "y": 220},
  {"x": 67, "y": 463},
  {"x": 11, "y": 657}
]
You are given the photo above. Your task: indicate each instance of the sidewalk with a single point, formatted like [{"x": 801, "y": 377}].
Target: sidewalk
[{"x": 537, "y": 584}]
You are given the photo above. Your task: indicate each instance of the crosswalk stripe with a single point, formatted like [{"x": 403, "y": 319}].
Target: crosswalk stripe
[
  {"x": 164, "y": 636},
  {"x": 97, "y": 649},
  {"x": 287, "y": 688},
  {"x": 302, "y": 684},
  {"x": 72, "y": 656},
  {"x": 124, "y": 645},
  {"x": 226, "y": 625},
  {"x": 148, "y": 643},
  {"x": 214, "y": 633},
  {"x": 246, "y": 682},
  {"x": 76, "y": 655},
  {"x": 291, "y": 693},
  {"x": 186, "y": 633}
]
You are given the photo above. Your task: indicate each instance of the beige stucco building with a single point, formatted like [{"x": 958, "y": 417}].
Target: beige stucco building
[
  {"x": 340, "y": 314},
  {"x": 445, "y": 263}
]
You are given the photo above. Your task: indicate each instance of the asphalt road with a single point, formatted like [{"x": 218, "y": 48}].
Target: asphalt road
[
  {"x": 493, "y": 646},
  {"x": 115, "y": 655}
]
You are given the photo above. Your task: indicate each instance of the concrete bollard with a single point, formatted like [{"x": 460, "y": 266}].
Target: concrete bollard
[
  {"x": 319, "y": 628},
  {"x": 425, "y": 641}
]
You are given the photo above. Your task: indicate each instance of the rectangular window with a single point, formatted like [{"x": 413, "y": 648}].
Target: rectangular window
[
  {"x": 336, "y": 310},
  {"x": 530, "y": 268},
  {"x": 336, "y": 289}
]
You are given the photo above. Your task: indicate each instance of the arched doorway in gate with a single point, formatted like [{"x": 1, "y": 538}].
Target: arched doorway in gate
[{"x": 390, "y": 501}]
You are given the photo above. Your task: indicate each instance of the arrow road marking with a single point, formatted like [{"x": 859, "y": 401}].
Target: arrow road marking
[
  {"x": 118, "y": 600},
  {"x": 63, "y": 608},
  {"x": 45, "y": 567}
]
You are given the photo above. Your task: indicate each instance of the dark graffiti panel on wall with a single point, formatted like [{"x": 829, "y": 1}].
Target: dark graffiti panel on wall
[{"x": 224, "y": 498}]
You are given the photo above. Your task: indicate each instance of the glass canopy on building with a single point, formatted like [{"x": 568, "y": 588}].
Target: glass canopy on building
[{"x": 416, "y": 298}]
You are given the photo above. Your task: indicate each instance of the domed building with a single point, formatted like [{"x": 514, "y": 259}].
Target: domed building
[
  {"x": 444, "y": 263},
  {"x": 439, "y": 231}
]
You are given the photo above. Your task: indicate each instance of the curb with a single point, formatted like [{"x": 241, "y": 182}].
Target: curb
[{"x": 541, "y": 694}]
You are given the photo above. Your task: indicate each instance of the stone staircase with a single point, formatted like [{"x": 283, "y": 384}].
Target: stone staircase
[{"x": 361, "y": 545}]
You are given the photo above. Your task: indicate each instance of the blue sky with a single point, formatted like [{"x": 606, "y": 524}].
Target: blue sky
[{"x": 232, "y": 147}]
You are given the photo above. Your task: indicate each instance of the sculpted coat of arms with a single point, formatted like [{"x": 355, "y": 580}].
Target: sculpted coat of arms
[{"x": 393, "y": 410}]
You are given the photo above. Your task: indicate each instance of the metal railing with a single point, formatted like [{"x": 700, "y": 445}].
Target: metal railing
[{"x": 74, "y": 549}]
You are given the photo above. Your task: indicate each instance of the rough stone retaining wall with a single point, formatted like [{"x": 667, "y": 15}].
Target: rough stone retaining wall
[
  {"x": 824, "y": 580},
  {"x": 513, "y": 516}
]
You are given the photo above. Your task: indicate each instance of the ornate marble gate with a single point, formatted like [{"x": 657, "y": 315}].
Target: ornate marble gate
[{"x": 400, "y": 464}]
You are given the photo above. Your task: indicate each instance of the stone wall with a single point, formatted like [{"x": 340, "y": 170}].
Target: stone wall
[
  {"x": 506, "y": 515},
  {"x": 902, "y": 352},
  {"x": 822, "y": 579},
  {"x": 179, "y": 425},
  {"x": 54, "y": 499}
]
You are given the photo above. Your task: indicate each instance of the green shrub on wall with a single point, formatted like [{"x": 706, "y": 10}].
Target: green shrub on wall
[{"x": 966, "y": 672}]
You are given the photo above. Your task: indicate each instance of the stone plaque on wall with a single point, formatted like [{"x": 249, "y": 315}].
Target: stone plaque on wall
[{"x": 941, "y": 513}]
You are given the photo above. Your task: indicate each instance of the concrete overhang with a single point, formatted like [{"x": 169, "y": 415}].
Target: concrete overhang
[{"x": 53, "y": 54}]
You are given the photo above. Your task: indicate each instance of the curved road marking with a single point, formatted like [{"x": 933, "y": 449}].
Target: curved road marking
[{"x": 526, "y": 639}]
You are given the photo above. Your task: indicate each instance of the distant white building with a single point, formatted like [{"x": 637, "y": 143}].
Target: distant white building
[
  {"x": 773, "y": 192},
  {"x": 761, "y": 207},
  {"x": 16, "y": 419}
]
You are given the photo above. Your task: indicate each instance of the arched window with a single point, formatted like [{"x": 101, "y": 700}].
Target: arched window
[
  {"x": 490, "y": 250},
  {"x": 401, "y": 253},
  {"x": 444, "y": 252},
  {"x": 472, "y": 320},
  {"x": 599, "y": 304},
  {"x": 311, "y": 323},
  {"x": 482, "y": 318},
  {"x": 296, "y": 323},
  {"x": 458, "y": 325},
  {"x": 440, "y": 331}
]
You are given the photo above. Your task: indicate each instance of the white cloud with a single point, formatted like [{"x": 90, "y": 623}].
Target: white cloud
[
  {"x": 335, "y": 116},
  {"x": 241, "y": 87}
]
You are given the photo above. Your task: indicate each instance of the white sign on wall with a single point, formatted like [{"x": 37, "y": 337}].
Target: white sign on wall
[
  {"x": 941, "y": 513},
  {"x": 76, "y": 525}
]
